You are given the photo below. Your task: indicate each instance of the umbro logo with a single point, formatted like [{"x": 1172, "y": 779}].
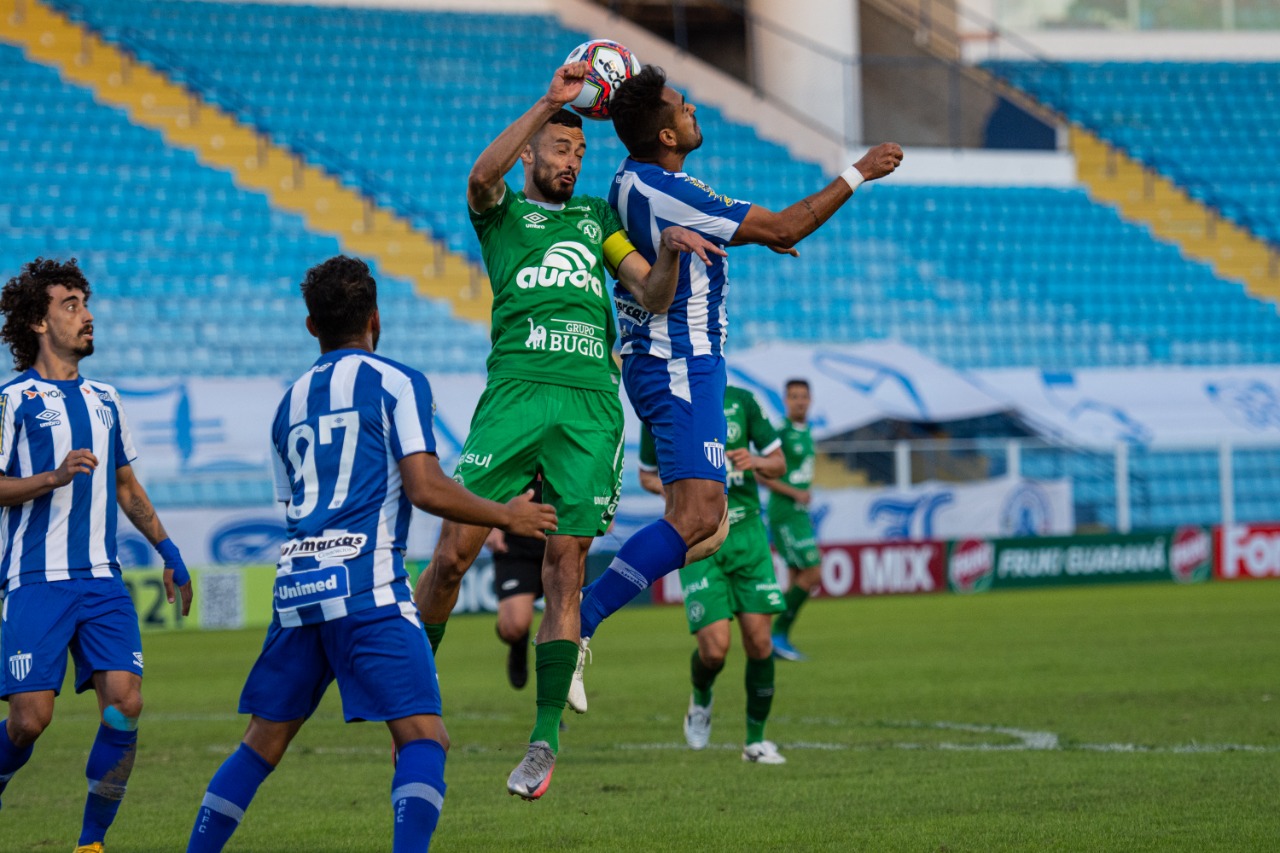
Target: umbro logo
[
  {"x": 48, "y": 418},
  {"x": 534, "y": 220}
]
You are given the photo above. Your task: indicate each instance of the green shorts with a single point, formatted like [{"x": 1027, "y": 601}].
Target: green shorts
[
  {"x": 794, "y": 539},
  {"x": 571, "y": 436},
  {"x": 739, "y": 578}
]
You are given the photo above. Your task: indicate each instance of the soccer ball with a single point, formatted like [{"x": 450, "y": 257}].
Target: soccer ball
[{"x": 611, "y": 64}]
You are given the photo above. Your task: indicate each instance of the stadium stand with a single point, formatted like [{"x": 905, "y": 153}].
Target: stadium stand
[
  {"x": 1178, "y": 118},
  {"x": 976, "y": 277}
]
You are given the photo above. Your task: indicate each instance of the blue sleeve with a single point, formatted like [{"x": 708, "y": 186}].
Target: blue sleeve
[{"x": 691, "y": 203}]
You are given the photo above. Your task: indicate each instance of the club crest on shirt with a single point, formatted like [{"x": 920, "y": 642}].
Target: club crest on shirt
[
  {"x": 105, "y": 416},
  {"x": 591, "y": 229}
]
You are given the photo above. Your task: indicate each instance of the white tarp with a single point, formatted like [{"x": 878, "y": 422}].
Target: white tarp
[{"x": 1167, "y": 406}]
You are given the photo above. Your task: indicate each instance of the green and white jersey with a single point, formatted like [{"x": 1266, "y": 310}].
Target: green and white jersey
[
  {"x": 552, "y": 310},
  {"x": 747, "y": 427},
  {"x": 797, "y": 447}
]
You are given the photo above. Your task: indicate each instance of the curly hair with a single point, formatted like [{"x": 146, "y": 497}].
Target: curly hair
[
  {"x": 25, "y": 303},
  {"x": 341, "y": 296},
  {"x": 639, "y": 113}
]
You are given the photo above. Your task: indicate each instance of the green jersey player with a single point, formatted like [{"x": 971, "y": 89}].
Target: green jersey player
[
  {"x": 550, "y": 406},
  {"x": 789, "y": 521},
  {"x": 738, "y": 580}
]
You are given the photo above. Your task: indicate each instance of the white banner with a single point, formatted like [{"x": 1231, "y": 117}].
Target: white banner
[{"x": 1150, "y": 405}]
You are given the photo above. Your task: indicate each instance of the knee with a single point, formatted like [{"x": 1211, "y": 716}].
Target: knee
[
  {"x": 699, "y": 523},
  {"x": 449, "y": 563},
  {"x": 122, "y": 714},
  {"x": 713, "y": 659},
  {"x": 512, "y": 630},
  {"x": 24, "y": 727}
]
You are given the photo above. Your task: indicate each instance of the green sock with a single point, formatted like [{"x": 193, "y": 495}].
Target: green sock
[
  {"x": 703, "y": 677},
  {"x": 435, "y": 633},
  {"x": 795, "y": 597},
  {"x": 759, "y": 681},
  {"x": 556, "y": 661}
]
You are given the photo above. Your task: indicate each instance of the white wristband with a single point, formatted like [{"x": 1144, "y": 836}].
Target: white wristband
[{"x": 853, "y": 178}]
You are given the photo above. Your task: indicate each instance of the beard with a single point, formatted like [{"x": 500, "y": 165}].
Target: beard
[{"x": 545, "y": 180}]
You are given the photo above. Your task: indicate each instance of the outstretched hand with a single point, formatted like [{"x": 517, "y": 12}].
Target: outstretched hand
[
  {"x": 680, "y": 239},
  {"x": 529, "y": 518},
  {"x": 567, "y": 82},
  {"x": 880, "y": 161}
]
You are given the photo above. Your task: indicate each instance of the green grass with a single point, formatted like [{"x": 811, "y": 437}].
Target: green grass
[{"x": 910, "y": 729}]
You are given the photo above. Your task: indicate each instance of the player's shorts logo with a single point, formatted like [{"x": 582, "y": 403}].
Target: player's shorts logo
[
  {"x": 696, "y": 611},
  {"x": 714, "y": 451},
  {"x": 137, "y": 658},
  {"x": 20, "y": 665}
]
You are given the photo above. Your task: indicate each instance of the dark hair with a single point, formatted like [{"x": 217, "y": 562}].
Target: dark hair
[
  {"x": 566, "y": 118},
  {"x": 341, "y": 296},
  {"x": 25, "y": 303},
  {"x": 802, "y": 382},
  {"x": 639, "y": 113}
]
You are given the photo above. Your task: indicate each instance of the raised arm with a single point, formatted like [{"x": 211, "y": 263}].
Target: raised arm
[
  {"x": 783, "y": 229},
  {"x": 654, "y": 287},
  {"x": 484, "y": 184},
  {"x": 429, "y": 489}
]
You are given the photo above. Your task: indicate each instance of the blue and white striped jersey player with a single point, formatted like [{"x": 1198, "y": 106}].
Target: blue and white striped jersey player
[
  {"x": 66, "y": 459},
  {"x": 672, "y": 363},
  {"x": 354, "y": 454}
]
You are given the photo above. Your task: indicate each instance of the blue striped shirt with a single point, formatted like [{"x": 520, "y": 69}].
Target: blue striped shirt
[
  {"x": 339, "y": 436},
  {"x": 648, "y": 199},
  {"x": 71, "y": 531}
]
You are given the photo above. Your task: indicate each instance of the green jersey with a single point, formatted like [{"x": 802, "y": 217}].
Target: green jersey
[
  {"x": 797, "y": 447},
  {"x": 552, "y": 310},
  {"x": 747, "y": 426}
]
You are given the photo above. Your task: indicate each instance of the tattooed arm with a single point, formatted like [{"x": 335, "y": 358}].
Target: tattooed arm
[{"x": 137, "y": 506}]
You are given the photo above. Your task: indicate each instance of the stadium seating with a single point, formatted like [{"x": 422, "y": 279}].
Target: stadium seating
[
  {"x": 204, "y": 274},
  {"x": 976, "y": 277},
  {"x": 1211, "y": 127}
]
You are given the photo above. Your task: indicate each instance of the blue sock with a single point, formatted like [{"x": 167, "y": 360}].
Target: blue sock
[
  {"x": 11, "y": 758},
  {"x": 230, "y": 792},
  {"x": 648, "y": 555},
  {"x": 108, "y": 769},
  {"x": 417, "y": 795}
]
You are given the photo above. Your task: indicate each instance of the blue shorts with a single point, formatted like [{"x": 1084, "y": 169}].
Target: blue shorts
[
  {"x": 682, "y": 401},
  {"x": 93, "y": 617},
  {"x": 379, "y": 656}
]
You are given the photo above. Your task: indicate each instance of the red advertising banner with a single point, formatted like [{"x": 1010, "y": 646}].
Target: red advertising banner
[
  {"x": 875, "y": 568},
  {"x": 1247, "y": 551}
]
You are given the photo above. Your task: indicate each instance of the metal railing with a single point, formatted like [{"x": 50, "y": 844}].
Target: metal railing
[{"x": 1121, "y": 488}]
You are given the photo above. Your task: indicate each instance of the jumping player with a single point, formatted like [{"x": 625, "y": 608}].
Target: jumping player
[
  {"x": 550, "y": 405},
  {"x": 737, "y": 581},
  {"x": 66, "y": 458},
  {"x": 354, "y": 453},
  {"x": 672, "y": 360}
]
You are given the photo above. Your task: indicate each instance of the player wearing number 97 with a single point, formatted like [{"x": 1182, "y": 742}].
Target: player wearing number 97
[
  {"x": 354, "y": 454},
  {"x": 66, "y": 460}
]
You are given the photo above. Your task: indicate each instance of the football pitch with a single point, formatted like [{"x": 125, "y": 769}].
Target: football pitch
[{"x": 1092, "y": 718}]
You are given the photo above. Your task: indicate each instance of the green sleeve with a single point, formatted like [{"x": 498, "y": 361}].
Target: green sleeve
[
  {"x": 758, "y": 427},
  {"x": 482, "y": 222},
  {"x": 648, "y": 453},
  {"x": 609, "y": 221}
]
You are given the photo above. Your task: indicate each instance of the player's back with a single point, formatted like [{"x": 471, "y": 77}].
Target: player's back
[
  {"x": 648, "y": 199},
  {"x": 339, "y": 435}
]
